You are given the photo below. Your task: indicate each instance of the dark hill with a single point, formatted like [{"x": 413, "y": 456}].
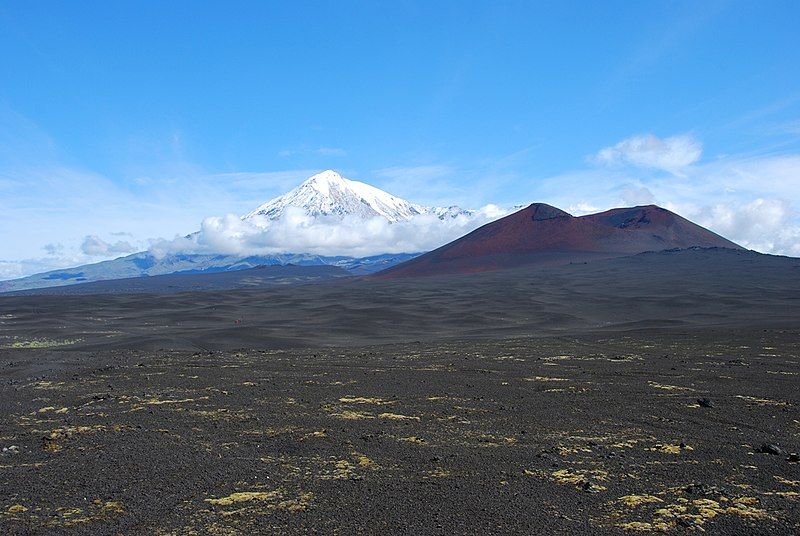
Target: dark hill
[{"x": 542, "y": 234}]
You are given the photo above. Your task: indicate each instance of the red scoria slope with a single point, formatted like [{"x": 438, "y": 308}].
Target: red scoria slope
[{"x": 542, "y": 234}]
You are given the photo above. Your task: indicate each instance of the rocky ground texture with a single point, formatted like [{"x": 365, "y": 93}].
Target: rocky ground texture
[{"x": 630, "y": 432}]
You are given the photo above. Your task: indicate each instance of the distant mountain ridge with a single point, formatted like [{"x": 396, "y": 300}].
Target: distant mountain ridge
[
  {"x": 248, "y": 278},
  {"x": 536, "y": 234},
  {"x": 543, "y": 234},
  {"x": 324, "y": 195},
  {"x": 331, "y": 195},
  {"x": 145, "y": 264}
]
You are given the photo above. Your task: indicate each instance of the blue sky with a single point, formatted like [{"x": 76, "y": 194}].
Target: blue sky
[{"x": 135, "y": 121}]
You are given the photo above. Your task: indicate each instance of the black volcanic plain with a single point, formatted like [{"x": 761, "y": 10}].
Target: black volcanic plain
[{"x": 655, "y": 392}]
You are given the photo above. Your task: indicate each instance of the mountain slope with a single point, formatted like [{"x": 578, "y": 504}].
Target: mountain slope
[
  {"x": 259, "y": 277},
  {"x": 145, "y": 265},
  {"x": 325, "y": 195},
  {"x": 542, "y": 234},
  {"x": 329, "y": 194}
]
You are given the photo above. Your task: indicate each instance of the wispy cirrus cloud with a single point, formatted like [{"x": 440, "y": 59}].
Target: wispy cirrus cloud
[
  {"x": 433, "y": 184},
  {"x": 466, "y": 184}
]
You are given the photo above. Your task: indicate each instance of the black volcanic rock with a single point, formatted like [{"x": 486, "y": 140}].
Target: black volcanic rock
[
  {"x": 705, "y": 402},
  {"x": 769, "y": 448}
]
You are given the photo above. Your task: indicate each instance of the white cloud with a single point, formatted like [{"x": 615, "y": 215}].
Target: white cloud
[
  {"x": 298, "y": 233},
  {"x": 765, "y": 225},
  {"x": 95, "y": 246},
  {"x": 53, "y": 249},
  {"x": 492, "y": 212},
  {"x": 47, "y": 209},
  {"x": 582, "y": 208},
  {"x": 637, "y": 196},
  {"x": 669, "y": 154},
  {"x": 752, "y": 200},
  {"x": 60, "y": 205},
  {"x": 13, "y": 269},
  {"x": 748, "y": 200}
]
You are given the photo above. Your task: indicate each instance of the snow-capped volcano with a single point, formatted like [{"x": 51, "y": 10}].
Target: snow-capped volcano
[
  {"x": 330, "y": 194},
  {"x": 347, "y": 223}
]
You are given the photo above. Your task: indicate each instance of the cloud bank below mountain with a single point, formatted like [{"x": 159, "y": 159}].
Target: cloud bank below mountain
[
  {"x": 349, "y": 236},
  {"x": 752, "y": 199}
]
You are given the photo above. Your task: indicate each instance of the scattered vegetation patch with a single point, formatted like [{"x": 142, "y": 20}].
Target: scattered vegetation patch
[
  {"x": 637, "y": 500},
  {"x": 342, "y": 470},
  {"x": 255, "y": 502},
  {"x": 47, "y": 385},
  {"x": 398, "y": 417},
  {"x": 664, "y": 516},
  {"x": 671, "y": 449},
  {"x": 56, "y": 439},
  {"x": 245, "y": 496},
  {"x": 53, "y": 409},
  {"x": 546, "y": 379},
  {"x": 439, "y": 472},
  {"x": 583, "y": 479},
  {"x": 364, "y": 461},
  {"x": 349, "y": 415},
  {"x": 366, "y": 400},
  {"x": 762, "y": 401},
  {"x": 38, "y": 343},
  {"x": 627, "y": 444},
  {"x": 68, "y": 516},
  {"x": 667, "y": 387},
  {"x": 157, "y": 402}
]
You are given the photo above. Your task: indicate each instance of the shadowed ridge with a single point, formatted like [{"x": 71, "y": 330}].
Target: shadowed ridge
[
  {"x": 636, "y": 217},
  {"x": 543, "y": 211},
  {"x": 663, "y": 225},
  {"x": 543, "y": 234},
  {"x": 508, "y": 231}
]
